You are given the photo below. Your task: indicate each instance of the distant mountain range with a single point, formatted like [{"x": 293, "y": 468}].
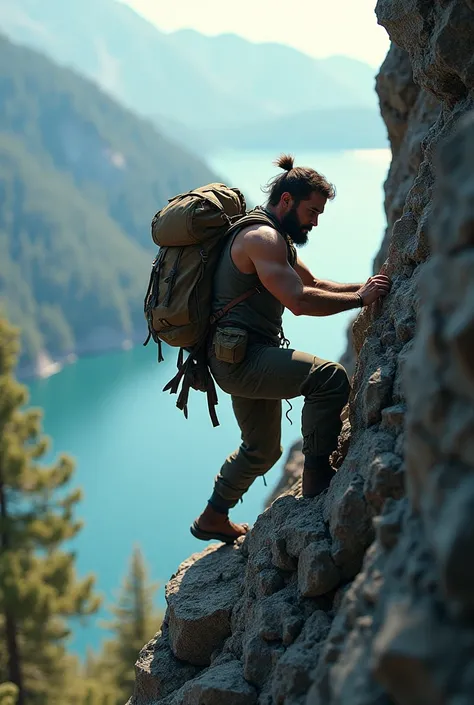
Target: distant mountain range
[
  {"x": 80, "y": 180},
  {"x": 192, "y": 85},
  {"x": 358, "y": 128}
]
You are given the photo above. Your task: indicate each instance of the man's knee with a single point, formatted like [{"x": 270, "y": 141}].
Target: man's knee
[
  {"x": 274, "y": 454},
  {"x": 265, "y": 458},
  {"x": 328, "y": 378},
  {"x": 341, "y": 378}
]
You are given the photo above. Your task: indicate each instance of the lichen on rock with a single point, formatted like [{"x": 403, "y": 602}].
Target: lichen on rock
[{"x": 364, "y": 595}]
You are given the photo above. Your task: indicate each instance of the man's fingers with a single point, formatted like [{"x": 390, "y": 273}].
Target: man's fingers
[{"x": 380, "y": 286}]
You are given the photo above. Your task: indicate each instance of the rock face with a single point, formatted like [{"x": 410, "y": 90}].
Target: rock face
[
  {"x": 365, "y": 595},
  {"x": 408, "y": 112}
]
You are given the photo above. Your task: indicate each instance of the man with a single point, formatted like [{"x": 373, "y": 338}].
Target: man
[{"x": 247, "y": 359}]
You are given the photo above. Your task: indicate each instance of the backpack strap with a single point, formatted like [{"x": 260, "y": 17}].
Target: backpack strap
[
  {"x": 262, "y": 217},
  {"x": 254, "y": 218},
  {"x": 148, "y": 304},
  {"x": 238, "y": 300}
]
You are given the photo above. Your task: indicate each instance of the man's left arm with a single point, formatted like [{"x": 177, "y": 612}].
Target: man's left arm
[{"x": 325, "y": 285}]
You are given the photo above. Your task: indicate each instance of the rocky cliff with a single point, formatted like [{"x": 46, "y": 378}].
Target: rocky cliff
[
  {"x": 365, "y": 595},
  {"x": 408, "y": 112}
]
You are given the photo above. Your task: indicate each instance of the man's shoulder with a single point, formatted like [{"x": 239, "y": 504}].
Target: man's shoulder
[
  {"x": 261, "y": 233},
  {"x": 263, "y": 242}
]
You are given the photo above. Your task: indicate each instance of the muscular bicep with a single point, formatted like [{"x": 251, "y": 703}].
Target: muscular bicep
[{"x": 269, "y": 256}]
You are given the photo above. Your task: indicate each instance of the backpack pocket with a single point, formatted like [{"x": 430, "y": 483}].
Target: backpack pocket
[{"x": 230, "y": 344}]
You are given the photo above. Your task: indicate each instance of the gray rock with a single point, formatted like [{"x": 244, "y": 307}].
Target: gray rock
[
  {"x": 268, "y": 582},
  {"x": 317, "y": 572},
  {"x": 278, "y": 618},
  {"x": 351, "y": 527},
  {"x": 454, "y": 542},
  {"x": 385, "y": 480},
  {"x": 292, "y": 675},
  {"x": 199, "y": 625},
  {"x": 257, "y": 660},
  {"x": 158, "y": 672},
  {"x": 219, "y": 685},
  {"x": 280, "y": 557},
  {"x": 405, "y": 655}
]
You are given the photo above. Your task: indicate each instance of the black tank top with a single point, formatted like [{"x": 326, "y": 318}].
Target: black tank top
[{"x": 261, "y": 314}]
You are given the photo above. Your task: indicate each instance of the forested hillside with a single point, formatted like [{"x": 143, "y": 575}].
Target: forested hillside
[{"x": 80, "y": 179}]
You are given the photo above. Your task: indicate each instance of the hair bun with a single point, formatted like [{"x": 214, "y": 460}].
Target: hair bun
[{"x": 285, "y": 161}]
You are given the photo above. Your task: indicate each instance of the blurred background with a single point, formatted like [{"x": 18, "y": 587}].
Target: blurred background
[{"x": 107, "y": 110}]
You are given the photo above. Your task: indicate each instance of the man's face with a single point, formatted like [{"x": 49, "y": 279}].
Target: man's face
[{"x": 300, "y": 219}]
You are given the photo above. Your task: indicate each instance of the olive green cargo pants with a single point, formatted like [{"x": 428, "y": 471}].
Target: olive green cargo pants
[{"x": 258, "y": 385}]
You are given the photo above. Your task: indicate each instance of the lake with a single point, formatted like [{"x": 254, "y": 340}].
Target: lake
[{"x": 146, "y": 472}]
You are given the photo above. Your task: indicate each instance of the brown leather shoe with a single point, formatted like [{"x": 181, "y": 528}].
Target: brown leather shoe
[{"x": 214, "y": 526}]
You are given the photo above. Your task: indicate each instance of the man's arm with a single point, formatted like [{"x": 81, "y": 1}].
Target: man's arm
[
  {"x": 325, "y": 285},
  {"x": 267, "y": 250}
]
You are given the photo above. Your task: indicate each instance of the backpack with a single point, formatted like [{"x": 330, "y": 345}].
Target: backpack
[{"x": 191, "y": 232}]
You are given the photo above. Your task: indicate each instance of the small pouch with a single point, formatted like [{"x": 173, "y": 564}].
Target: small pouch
[{"x": 230, "y": 344}]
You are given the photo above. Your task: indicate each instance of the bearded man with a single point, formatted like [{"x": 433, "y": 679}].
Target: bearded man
[{"x": 246, "y": 355}]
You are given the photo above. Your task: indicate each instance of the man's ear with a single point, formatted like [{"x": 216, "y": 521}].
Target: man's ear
[{"x": 286, "y": 200}]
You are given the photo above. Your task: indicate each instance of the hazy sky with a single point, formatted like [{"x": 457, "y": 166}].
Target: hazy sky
[{"x": 317, "y": 27}]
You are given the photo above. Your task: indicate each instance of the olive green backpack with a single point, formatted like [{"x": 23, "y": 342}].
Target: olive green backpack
[{"x": 190, "y": 232}]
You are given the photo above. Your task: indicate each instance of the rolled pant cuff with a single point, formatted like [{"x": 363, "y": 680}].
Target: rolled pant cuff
[{"x": 219, "y": 504}]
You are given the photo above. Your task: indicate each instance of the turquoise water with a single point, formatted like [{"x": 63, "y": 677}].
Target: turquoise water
[{"x": 146, "y": 472}]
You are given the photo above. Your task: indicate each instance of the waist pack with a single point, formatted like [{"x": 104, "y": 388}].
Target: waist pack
[{"x": 191, "y": 232}]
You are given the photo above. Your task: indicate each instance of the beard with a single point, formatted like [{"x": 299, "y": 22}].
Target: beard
[{"x": 292, "y": 226}]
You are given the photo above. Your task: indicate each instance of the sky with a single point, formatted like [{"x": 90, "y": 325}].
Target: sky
[{"x": 317, "y": 27}]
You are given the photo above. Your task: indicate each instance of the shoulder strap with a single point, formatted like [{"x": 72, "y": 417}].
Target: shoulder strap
[
  {"x": 254, "y": 218},
  {"x": 259, "y": 217}
]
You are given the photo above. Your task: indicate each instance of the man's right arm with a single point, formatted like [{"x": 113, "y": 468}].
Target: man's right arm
[{"x": 268, "y": 252}]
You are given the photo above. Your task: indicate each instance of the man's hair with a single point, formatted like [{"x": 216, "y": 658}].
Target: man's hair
[{"x": 300, "y": 182}]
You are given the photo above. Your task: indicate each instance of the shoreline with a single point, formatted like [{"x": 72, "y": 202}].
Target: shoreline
[{"x": 46, "y": 365}]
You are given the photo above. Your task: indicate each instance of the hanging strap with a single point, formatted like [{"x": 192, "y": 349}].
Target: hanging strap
[
  {"x": 212, "y": 401},
  {"x": 160, "y": 352},
  {"x": 147, "y": 305},
  {"x": 238, "y": 300},
  {"x": 184, "y": 377}
]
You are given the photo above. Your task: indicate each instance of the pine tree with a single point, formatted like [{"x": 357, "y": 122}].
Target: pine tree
[
  {"x": 40, "y": 588},
  {"x": 8, "y": 694},
  {"x": 135, "y": 622},
  {"x": 87, "y": 686}
]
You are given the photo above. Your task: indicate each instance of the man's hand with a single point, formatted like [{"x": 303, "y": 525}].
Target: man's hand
[{"x": 374, "y": 288}]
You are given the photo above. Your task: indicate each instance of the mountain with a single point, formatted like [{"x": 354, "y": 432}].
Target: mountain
[
  {"x": 197, "y": 81},
  {"x": 322, "y": 129},
  {"x": 80, "y": 179}
]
